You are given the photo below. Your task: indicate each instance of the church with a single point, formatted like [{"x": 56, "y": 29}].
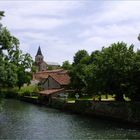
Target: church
[{"x": 41, "y": 65}]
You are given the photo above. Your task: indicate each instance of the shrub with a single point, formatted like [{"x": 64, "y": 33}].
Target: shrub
[{"x": 28, "y": 91}]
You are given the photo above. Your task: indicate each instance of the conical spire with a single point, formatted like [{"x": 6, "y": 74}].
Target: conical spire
[{"x": 39, "y": 51}]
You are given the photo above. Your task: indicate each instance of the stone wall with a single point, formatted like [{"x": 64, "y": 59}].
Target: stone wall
[
  {"x": 118, "y": 111},
  {"x": 124, "y": 111},
  {"x": 121, "y": 111}
]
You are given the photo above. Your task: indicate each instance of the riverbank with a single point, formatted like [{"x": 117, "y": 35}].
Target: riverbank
[{"x": 127, "y": 112}]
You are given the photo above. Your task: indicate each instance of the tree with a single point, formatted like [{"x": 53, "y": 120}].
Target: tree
[
  {"x": 93, "y": 74},
  {"x": 25, "y": 65},
  {"x": 78, "y": 71},
  {"x": 14, "y": 65},
  {"x": 2, "y": 72},
  {"x": 114, "y": 67},
  {"x": 134, "y": 79},
  {"x": 66, "y": 65},
  {"x": 77, "y": 74},
  {"x": 109, "y": 71},
  {"x": 1, "y": 13},
  {"x": 79, "y": 55}
]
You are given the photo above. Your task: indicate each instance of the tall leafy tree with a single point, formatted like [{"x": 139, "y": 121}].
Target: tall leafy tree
[
  {"x": 112, "y": 69},
  {"x": 77, "y": 72},
  {"x": 24, "y": 65},
  {"x": 79, "y": 56},
  {"x": 14, "y": 65}
]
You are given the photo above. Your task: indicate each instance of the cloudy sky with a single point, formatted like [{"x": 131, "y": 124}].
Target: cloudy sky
[{"x": 63, "y": 27}]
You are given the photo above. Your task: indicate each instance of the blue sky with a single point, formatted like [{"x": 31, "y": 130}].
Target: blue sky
[{"x": 62, "y": 28}]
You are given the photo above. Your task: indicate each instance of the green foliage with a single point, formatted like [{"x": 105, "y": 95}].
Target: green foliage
[
  {"x": 1, "y": 14},
  {"x": 134, "y": 79},
  {"x": 11, "y": 75},
  {"x": 78, "y": 71},
  {"x": 33, "y": 68},
  {"x": 28, "y": 91},
  {"x": 8, "y": 93},
  {"x": 79, "y": 56},
  {"x": 14, "y": 65},
  {"x": 77, "y": 75},
  {"x": 66, "y": 65},
  {"x": 114, "y": 70},
  {"x": 2, "y": 72},
  {"x": 50, "y": 68},
  {"x": 7, "y": 41}
]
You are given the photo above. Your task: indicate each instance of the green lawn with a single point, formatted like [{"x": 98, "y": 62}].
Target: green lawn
[{"x": 96, "y": 98}]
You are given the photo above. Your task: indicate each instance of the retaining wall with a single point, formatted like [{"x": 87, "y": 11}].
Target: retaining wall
[{"x": 123, "y": 111}]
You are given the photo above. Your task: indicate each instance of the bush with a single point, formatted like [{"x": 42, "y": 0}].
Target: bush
[
  {"x": 28, "y": 91},
  {"x": 8, "y": 93}
]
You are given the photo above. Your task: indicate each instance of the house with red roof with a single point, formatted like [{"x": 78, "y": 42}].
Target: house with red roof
[{"x": 55, "y": 83}]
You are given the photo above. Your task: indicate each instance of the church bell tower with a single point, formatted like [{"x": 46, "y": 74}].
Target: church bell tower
[
  {"x": 39, "y": 57},
  {"x": 40, "y": 64}
]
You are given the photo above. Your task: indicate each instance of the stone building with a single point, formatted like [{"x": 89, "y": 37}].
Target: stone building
[
  {"x": 56, "y": 80},
  {"x": 52, "y": 83},
  {"x": 41, "y": 64}
]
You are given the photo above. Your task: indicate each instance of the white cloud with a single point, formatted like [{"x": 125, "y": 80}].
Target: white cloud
[
  {"x": 34, "y": 23},
  {"x": 114, "y": 12},
  {"x": 117, "y": 21},
  {"x": 36, "y": 14},
  {"x": 64, "y": 27}
]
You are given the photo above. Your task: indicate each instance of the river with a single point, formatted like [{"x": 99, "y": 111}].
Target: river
[{"x": 20, "y": 120}]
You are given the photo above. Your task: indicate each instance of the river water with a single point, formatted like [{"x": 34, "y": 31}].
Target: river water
[{"x": 20, "y": 120}]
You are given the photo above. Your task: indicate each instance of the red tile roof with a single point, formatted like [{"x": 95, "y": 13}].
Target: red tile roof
[
  {"x": 51, "y": 91},
  {"x": 50, "y": 71},
  {"x": 62, "y": 79},
  {"x": 45, "y": 74}
]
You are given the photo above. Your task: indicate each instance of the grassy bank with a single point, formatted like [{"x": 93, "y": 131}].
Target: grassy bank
[
  {"x": 7, "y": 92},
  {"x": 31, "y": 90}
]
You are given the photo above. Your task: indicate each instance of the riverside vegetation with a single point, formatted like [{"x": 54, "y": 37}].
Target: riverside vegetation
[{"x": 15, "y": 66}]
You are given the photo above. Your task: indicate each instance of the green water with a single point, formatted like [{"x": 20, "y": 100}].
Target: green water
[{"x": 20, "y": 120}]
